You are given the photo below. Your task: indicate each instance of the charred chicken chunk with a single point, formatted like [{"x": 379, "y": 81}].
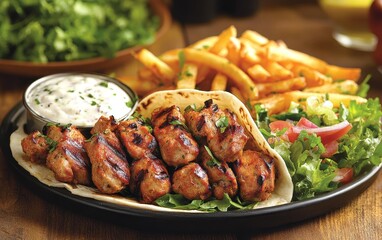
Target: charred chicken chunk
[
  {"x": 191, "y": 181},
  {"x": 110, "y": 169},
  {"x": 68, "y": 160},
  {"x": 220, "y": 175},
  {"x": 36, "y": 147},
  {"x": 224, "y": 135},
  {"x": 149, "y": 179},
  {"x": 137, "y": 138},
  {"x": 176, "y": 144},
  {"x": 255, "y": 174}
]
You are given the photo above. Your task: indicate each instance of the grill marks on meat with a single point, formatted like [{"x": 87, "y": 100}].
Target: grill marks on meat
[
  {"x": 221, "y": 176},
  {"x": 110, "y": 169},
  {"x": 255, "y": 174},
  {"x": 149, "y": 179},
  {"x": 176, "y": 144},
  {"x": 191, "y": 181},
  {"x": 226, "y": 144},
  {"x": 137, "y": 139},
  {"x": 68, "y": 160}
]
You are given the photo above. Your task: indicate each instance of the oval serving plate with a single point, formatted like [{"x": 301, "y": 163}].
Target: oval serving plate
[{"x": 248, "y": 220}]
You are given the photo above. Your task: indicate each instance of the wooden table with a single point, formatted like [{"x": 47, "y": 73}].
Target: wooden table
[{"x": 25, "y": 214}]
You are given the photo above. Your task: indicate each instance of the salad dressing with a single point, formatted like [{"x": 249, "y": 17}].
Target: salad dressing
[{"x": 78, "y": 99}]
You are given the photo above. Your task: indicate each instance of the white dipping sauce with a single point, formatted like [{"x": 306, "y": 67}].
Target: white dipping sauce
[{"x": 79, "y": 100}]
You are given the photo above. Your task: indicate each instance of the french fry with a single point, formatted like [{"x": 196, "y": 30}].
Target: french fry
[
  {"x": 285, "y": 54},
  {"x": 157, "y": 66},
  {"x": 237, "y": 76},
  {"x": 344, "y": 87},
  {"x": 335, "y": 98},
  {"x": 255, "y": 37},
  {"x": 204, "y": 44},
  {"x": 223, "y": 40},
  {"x": 313, "y": 77},
  {"x": 297, "y": 83},
  {"x": 219, "y": 82},
  {"x": 275, "y": 103},
  {"x": 219, "y": 45},
  {"x": 235, "y": 91},
  {"x": 187, "y": 77},
  {"x": 277, "y": 71},
  {"x": 258, "y": 73},
  {"x": 233, "y": 51},
  {"x": 340, "y": 73}
]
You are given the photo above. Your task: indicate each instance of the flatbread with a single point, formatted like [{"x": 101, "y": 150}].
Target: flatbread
[{"x": 182, "y": 98}]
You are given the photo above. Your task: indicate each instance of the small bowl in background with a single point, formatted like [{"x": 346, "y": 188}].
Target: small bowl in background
[
  {"x": 98, "y": 64},
  {"x": 84, "y": 102}
]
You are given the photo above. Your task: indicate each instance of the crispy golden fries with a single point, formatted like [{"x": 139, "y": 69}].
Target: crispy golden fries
[
  {"x": 254, "y": 68},
  {"x": 157, "y": 66}
]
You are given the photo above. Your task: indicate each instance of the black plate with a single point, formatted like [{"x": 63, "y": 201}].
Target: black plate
[{"x": 249, "y": 220}]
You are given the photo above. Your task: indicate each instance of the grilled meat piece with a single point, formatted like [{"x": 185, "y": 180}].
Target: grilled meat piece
[
  {"x": 137, "y": 138},
  {"x": 255, "y": 174},
  {"x": 68, "y": 160},
  {"x": 191, "y": 181},
  {"x": 36, "y": 147},
  {"x": 149, "y": 179},
  {"x": 176, "y": 144},
  {"x": 110, "y": 169},
  {"x": 220, "y": 175},
  {"x": 224, "y": 135}
]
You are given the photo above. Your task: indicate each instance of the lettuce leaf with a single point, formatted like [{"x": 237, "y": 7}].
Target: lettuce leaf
[{"x": 177, "y": 201}]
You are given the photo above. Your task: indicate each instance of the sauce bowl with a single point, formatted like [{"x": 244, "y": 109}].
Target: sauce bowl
[{"x": 78, "y": 99}]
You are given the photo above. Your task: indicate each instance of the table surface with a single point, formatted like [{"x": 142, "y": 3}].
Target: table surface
[{"x": 25, "y": 214}]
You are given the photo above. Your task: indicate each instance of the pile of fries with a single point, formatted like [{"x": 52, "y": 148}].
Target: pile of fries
[{"x": 252, "y": 67}]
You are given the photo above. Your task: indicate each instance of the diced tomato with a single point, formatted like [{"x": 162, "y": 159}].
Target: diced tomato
[
  {"x": 279, "y": 125},
  {"x": 330, "y": 149},
  {"x": 305, "y": 123},
  {"x": 344, "y": 175}
]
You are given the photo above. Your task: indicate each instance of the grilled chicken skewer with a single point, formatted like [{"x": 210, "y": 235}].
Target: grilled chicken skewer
[
  {"x": 110, "y": 169},
  {"x": 68, "y": 160},
  {"x": 224, "y": 135},
  {"x": 137, "y": 138},
  {"x": 36, "y": 147},
  {"x": 149, "y": 179},
  {"x": 220, "y": 175},
  {"x": 176, "y": 144},
  {"x": 255, "y": 174},
  {"x": 191, "y": 181}
]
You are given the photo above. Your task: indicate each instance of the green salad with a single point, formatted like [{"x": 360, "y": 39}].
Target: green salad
[
  {"x": 65, "y": 30},
  {"x": 323, "y": 146}
]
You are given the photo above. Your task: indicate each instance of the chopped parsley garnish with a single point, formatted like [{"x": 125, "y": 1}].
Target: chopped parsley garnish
[
  {"x": 37, "y": 101},
  {"x": 222, "y": 123},
  {"x": 104, "y": 84},
  {"x": 213, "y": 161},
  {"x": 179, "y": 123}
]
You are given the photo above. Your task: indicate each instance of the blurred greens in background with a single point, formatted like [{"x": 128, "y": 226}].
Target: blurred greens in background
[{"x": 65, "y": 30}]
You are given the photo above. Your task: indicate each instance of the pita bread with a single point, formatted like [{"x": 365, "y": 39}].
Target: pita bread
[{"x": 283, "y": 190}]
